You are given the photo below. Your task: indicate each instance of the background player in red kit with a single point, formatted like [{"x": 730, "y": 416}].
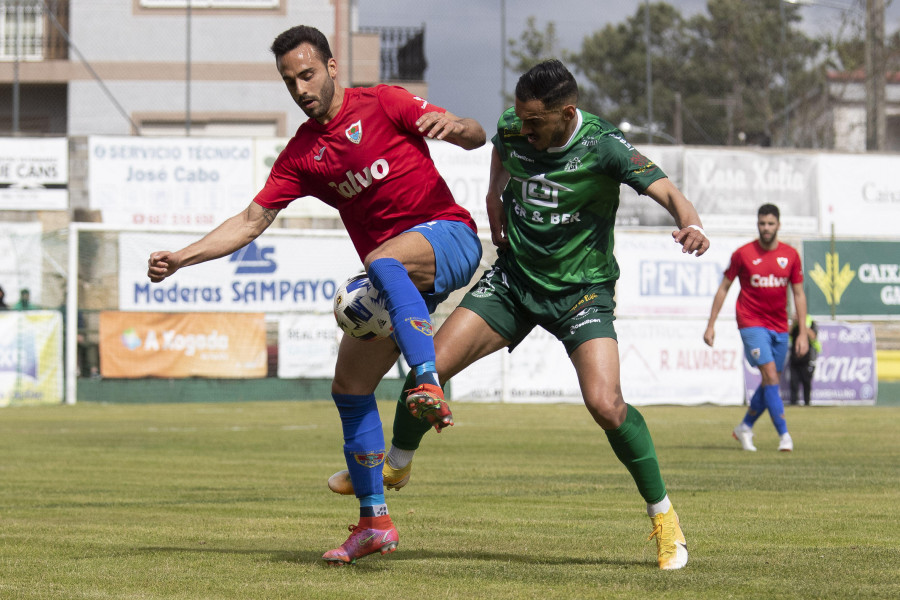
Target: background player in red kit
[
  {"x": 766, "y": 267},
  {"x": 363, "y": 152}
]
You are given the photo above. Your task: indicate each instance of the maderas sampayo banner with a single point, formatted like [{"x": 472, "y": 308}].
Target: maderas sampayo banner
[
  {"x": 858, "y": 278},
  {"x": 177, "y": 345}
]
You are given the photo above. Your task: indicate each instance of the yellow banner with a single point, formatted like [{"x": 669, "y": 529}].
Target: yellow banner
[
  {"x": 31, "y": 367},
  {"x": 177, "y": 345}
]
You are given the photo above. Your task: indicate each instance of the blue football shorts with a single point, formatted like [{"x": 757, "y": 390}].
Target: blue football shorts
[
  {"x": 763, "y": 346},
  {"x": 457, "y": 253}
]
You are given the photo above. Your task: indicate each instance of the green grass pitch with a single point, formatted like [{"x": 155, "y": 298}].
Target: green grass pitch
[{"x": 222, "y": 501}]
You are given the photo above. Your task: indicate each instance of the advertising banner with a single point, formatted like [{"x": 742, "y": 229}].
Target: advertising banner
[
  {"x": 224, "y": 345},
  {"x": 728, "y": 187},
  {"x": 169, "y": 182},
  {"x": 661, "y": 362},
  {"x": 31, "y": 362},
  {"x": 860, "y": 194},
  {"x": 858, "y": 278},
  {"x": 34, "y": 174},
  {"x": 658, "y": 279},
  {"x": 636, "y": 210},
  {"x": 307, "y": 345},
  {"x": 845, "y": 369},
  {"x": 298, "y": 272}
]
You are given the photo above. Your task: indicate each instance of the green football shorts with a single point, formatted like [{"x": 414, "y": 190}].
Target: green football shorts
[{"x": 513, "y": 307}]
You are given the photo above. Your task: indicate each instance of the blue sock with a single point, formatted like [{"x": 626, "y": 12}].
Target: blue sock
[
  {"x": 409, "y": 316},
  {"x": 372, "y": 506},
  {"x": 772, "y": 396},
  {"x": 363, "y": 443},
  {"x": 757, "y": 407}
]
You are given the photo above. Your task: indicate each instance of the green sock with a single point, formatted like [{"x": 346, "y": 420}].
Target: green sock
[
  {"x": 634, "y": 447},
  {"x": 408, "y": 430}
]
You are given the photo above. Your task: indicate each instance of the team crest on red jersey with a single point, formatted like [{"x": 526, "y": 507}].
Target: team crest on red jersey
[
  {"x": 369, "y": 459},
  {"x": 354, "y": 132},
  {"x": 782, "y": 261}
]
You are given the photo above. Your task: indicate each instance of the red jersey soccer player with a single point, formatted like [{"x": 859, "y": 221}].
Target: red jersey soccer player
[
  {"x": 363, "y": 151},
  {"x": 765, "y": 267}
]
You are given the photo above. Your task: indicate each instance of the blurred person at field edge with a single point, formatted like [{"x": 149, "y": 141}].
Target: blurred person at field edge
[
  {"x": 363, "y": 152},
  {"x": 803, "y": 366},
  {"x": 552, "y": 198},
  {"x": 24, "y": 302},
  {"x": 3, "y": 304},
  {"x": 766, "y": 269}
]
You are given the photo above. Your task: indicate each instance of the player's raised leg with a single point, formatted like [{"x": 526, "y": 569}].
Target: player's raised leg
[
  {"x": 597, "y": 364},
  {"x": 464, "y": 338},
  {"x": 360, "y": 365}
]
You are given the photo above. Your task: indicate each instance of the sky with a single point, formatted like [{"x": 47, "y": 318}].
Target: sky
[{"x": 462, "y": 37}]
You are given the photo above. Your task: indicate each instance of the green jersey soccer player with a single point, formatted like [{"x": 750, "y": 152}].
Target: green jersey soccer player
[{"x": 552, "y": 200}]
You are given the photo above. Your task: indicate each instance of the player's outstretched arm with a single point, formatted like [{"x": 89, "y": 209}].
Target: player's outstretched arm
[
  {"x": 234, "y": 233},
  {"x": 690, "y": 232},
  {"x": 709, "y": 336},
  {"x": 801, "y": 343},
  {"x": 465, "y": 133},
  {"x": 499, "y": 177}
]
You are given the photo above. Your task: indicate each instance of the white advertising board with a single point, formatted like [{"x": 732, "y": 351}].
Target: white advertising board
[
  {"x": 860, "y": 194},
  {"x": 276, "y": 273},
  {"x": 34, "y": 174},
  {"x": 307, "y": 345},
  {"x": 661, "y": 362},
  {"x": 658, "y": 279},
  {"x": 728, "y": 186},
  {"x": 169, "y": 183}
]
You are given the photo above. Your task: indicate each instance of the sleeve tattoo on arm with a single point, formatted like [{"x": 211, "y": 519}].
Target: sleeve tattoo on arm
[{"x": 269, "y": 215}]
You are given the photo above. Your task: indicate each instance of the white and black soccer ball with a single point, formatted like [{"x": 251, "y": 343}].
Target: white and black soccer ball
[{"x": 360, "y": 311}]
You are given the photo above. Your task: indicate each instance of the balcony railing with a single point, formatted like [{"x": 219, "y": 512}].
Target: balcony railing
[
  {"x": 27, "y": 32},
  {"x": 402, "y": 52}
]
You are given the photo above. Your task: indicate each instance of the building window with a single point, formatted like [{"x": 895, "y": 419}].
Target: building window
[{"x": 22, "y": 30}]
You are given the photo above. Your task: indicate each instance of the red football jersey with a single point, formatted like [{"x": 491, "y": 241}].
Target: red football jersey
[
  {"x": 371, "y": 163},
  {"x": 765, "y": 276}
]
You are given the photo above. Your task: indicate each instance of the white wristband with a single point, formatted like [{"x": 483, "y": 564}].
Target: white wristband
[{"x": 698, "y": 228}]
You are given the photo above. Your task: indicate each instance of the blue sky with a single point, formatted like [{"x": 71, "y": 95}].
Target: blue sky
[{"x": 463, "y": 42}]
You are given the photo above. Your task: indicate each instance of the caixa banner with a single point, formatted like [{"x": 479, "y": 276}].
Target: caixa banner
[
  {"x": 860, "y": 279},
  {"x": 845, "y": 369}
]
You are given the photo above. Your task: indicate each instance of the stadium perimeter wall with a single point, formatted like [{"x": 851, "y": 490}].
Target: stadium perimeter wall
[{"x": 815, "y": 191}]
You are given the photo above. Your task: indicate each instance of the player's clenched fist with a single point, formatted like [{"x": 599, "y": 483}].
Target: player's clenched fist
[{"x": 160, "y": 265}]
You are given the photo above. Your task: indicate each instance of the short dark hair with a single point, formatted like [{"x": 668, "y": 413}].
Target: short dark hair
[
  {"x": 550, "y": 82},
  {"x": 293, "y": 37},
  {"x": 769, "y": 209}
]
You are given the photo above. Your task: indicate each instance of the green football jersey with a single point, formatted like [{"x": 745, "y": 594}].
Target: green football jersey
[{"x": 561, "y": 203}]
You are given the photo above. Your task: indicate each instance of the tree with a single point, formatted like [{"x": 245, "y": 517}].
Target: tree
[
  {"x": 535, "y": 46},
  {"x": 737, "y": 77}
]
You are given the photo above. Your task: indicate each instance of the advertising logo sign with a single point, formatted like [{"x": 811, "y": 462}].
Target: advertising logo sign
[
  {"x": 845, "y": 369},
  {"x": 274, "y": 273},
  {"x": 856, "y": 278},
  {"x": 134, "y": 345}
]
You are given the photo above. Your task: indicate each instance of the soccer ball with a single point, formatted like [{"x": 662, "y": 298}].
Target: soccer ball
[{"x": 360, "y": 311}]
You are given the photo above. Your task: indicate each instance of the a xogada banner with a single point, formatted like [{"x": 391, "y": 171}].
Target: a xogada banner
[
  {"x": 31, "y": 366},
  {"x": 226, "y": 345},
  {"x": 845, "y": 369}
]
